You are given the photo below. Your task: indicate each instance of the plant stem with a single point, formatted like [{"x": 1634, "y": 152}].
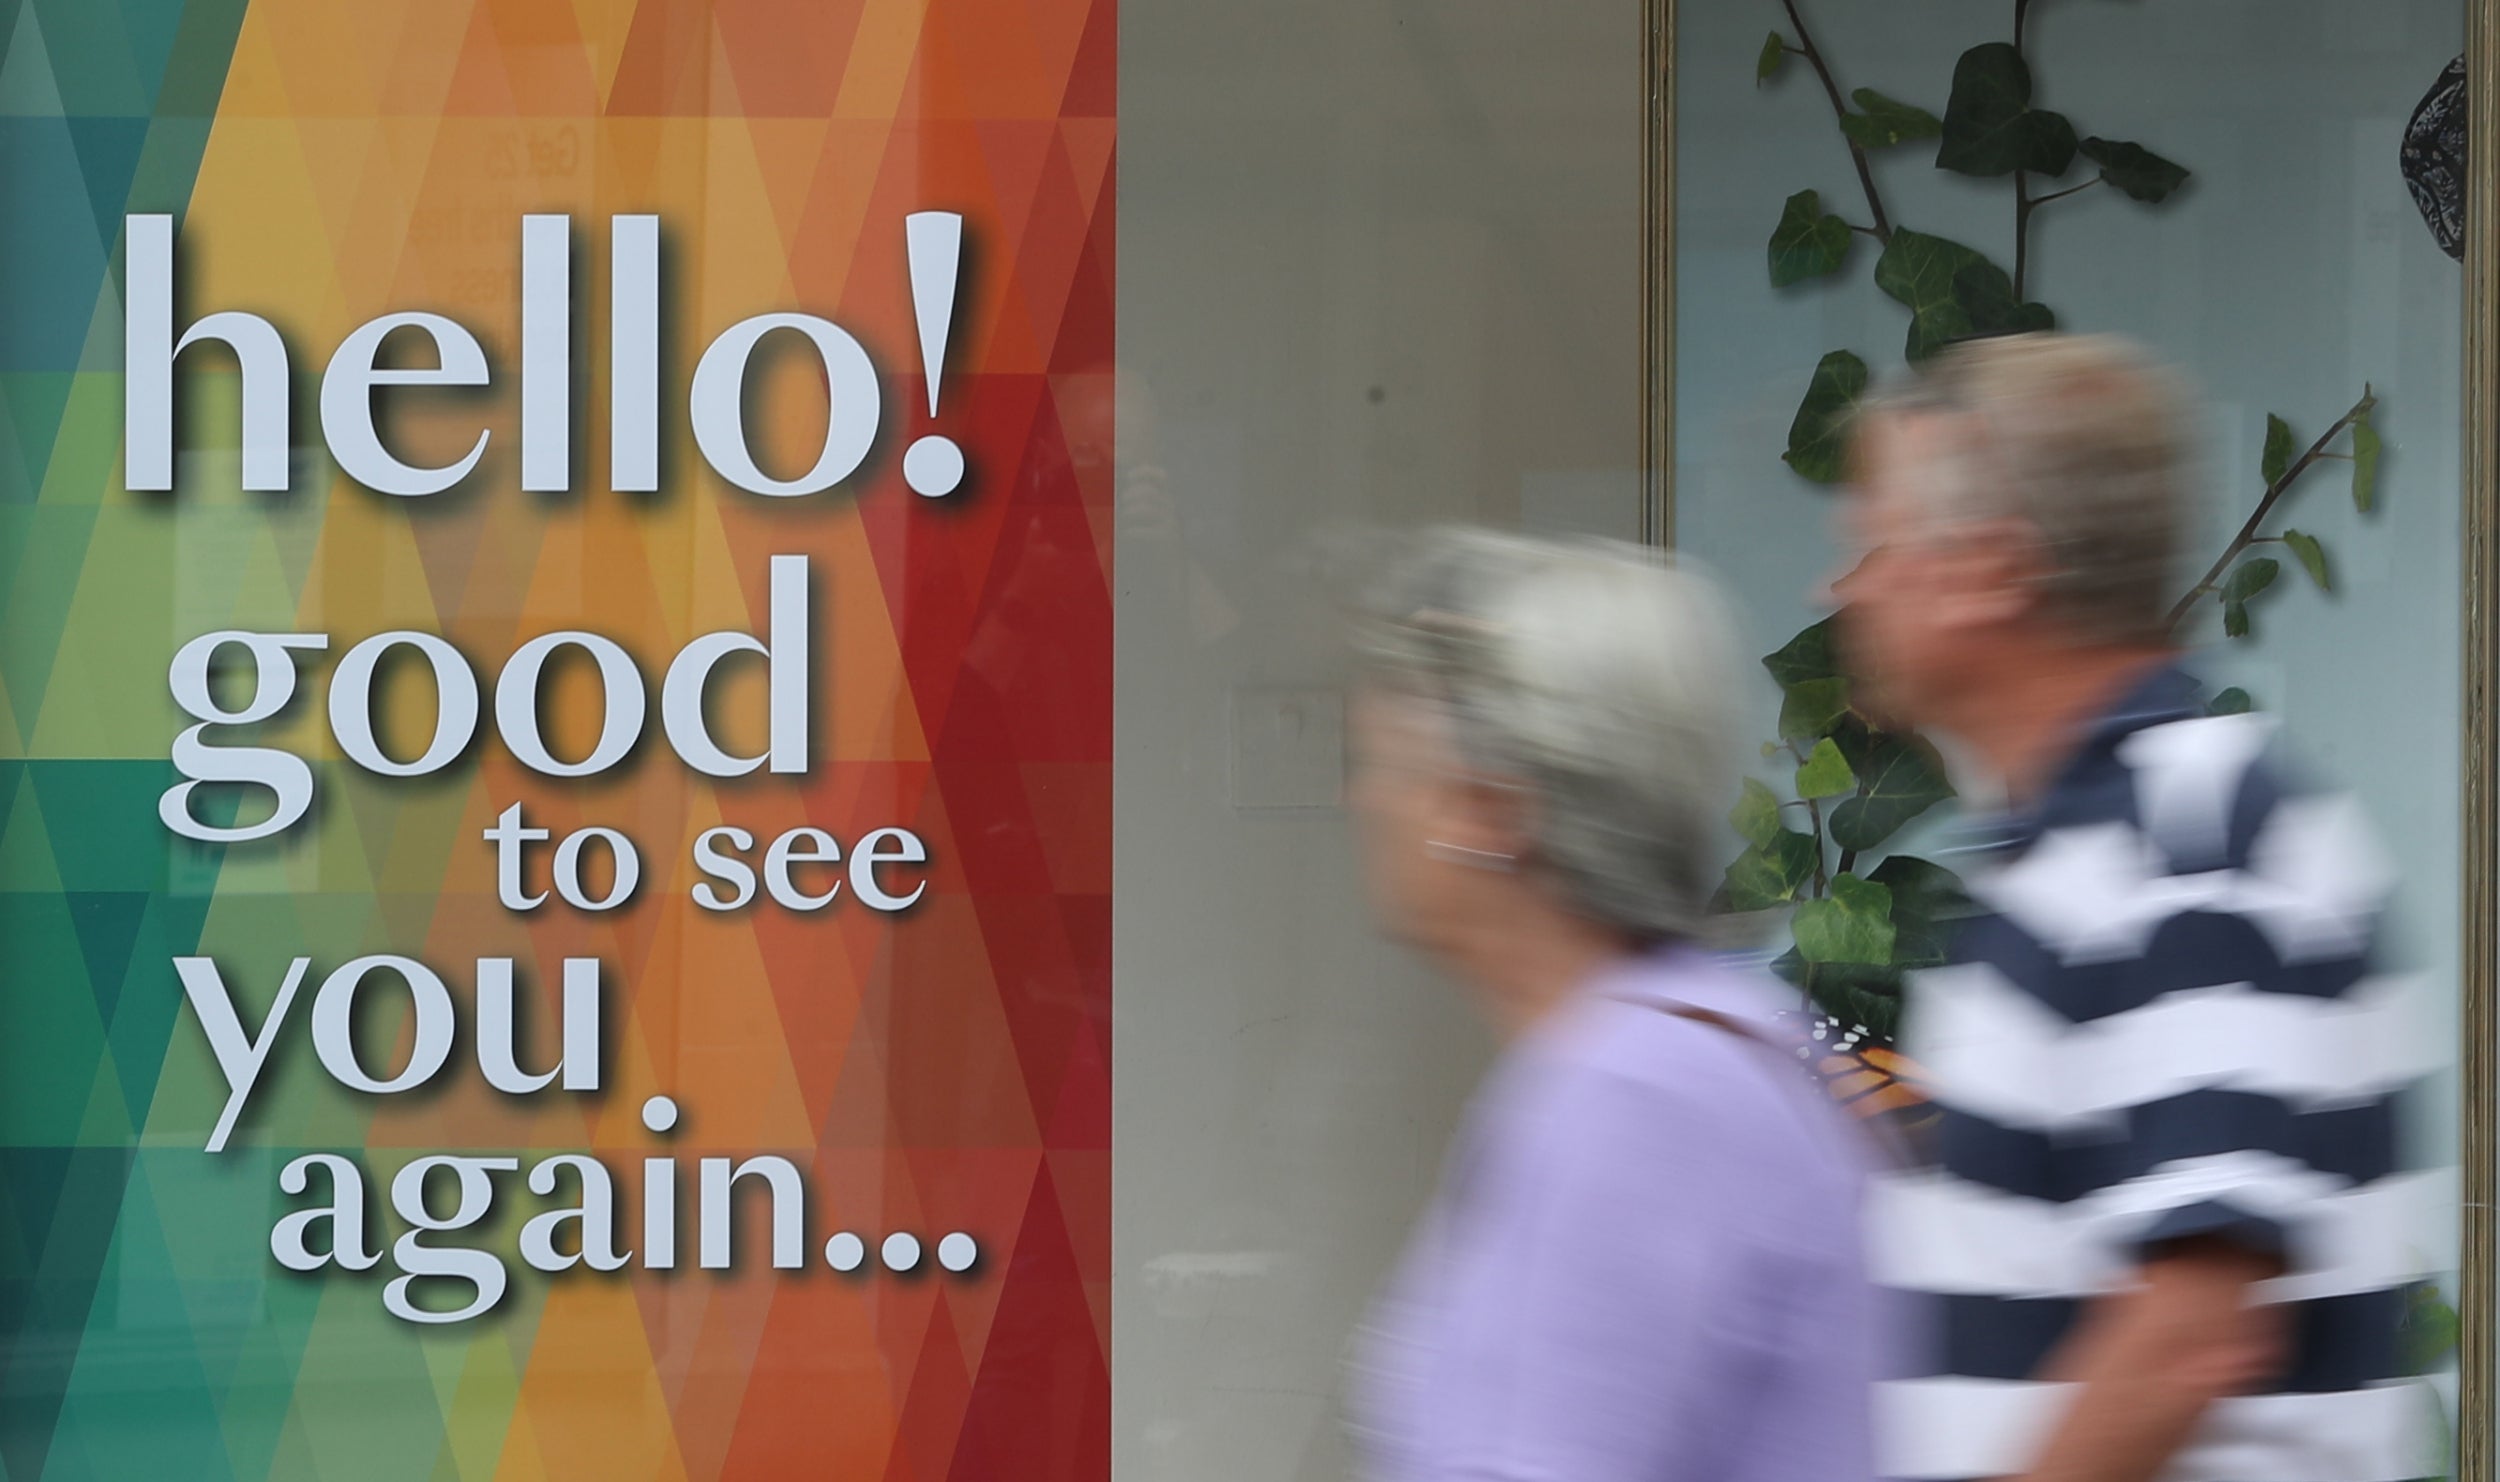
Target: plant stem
[
  {"x": 2072, "y": 190},
  {"x": 1822, "y": 882},
  {"x": 2265, "y": 507},
  {"x": 2025, "y": 203},
  {"x": 2023, "y": 206},
  {"x": 1848, "y": 860},
  {"x": 1840, "y": 108}
]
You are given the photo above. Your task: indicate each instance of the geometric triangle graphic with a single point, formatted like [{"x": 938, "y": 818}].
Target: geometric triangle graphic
[
  {"x": 879, "y": 1076},
  {"x": 26, "y": 86}
]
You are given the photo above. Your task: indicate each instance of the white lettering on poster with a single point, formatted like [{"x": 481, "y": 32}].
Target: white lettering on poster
[{"x": 252, "y": 771}]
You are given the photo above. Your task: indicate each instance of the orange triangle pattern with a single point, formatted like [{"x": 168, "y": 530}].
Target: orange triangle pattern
[{"x": 944, "y": 1069}]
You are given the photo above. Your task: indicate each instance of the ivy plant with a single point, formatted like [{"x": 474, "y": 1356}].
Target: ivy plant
[{"x": 1859, "y": 915}]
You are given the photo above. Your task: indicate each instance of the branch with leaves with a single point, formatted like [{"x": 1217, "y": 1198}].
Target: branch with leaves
[
  {"x": 2281, "y": 470},
  {"x": 1858, "y": 928}
]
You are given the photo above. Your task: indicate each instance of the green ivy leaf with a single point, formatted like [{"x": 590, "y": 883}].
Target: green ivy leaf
[
  {"x": 1853, "y": 993},
  {"x": 2430, "y": 1329},
  {"x": 2233, "y": 701},
  {"x": 1809, "y": 242},
  {"x": 2365, "y": 451},
  {"x": 1852, "y": 924},
  {"x": 1806, "y": 658},
  {"x": 2138, "y": 171},
  {"x": 1810, "y": 655},
  {"x": 2278, "y": 459},
  {"x": 1756, "y": 815},
  {"x": 1818, "y": 440},
  {"x": 1812, "y": 707},
  {"x": 1927, "y": 899},
  {"x": 1990, "y": 127},
  {"x": 1883, "y": 122},
  {"x": 1825, "y": 773},
  {"x": 2251, "y": 577},
  {"x": 1899, "y": 777},
  {"x": 2312, "y": 557},
  {"x": 2234, "y": 619},
  {"x": 1986, "y": 297},
  {"x": 1951, "y": 291},
  {"x": 1771, "y": 874},
  {"x": 1774, "y": 57}
]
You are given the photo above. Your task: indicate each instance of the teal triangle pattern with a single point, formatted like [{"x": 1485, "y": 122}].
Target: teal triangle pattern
[
  {"x": 108, "y": 156},
  {"x": 91, "y": 59},
  {"x": 26, "y": 86},
  {"x": 107, "y": 923},
  {"x": 105, "y": 108}
]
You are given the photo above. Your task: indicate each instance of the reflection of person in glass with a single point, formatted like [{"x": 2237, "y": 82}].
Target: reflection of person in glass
[
  {"x": 2168, "y": 1235},
  {"x": 1643, "y": 1262}
]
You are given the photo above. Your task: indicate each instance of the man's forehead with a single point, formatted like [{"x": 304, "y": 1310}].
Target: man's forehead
[
  {"x": 1890, "y": 448},
  {"x": 1911, "y": 432}
]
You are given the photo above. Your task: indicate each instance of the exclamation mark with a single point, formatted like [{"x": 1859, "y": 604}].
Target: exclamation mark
[{"x": 933, "y": 465}]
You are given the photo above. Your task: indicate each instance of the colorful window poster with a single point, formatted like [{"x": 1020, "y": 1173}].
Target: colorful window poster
[{"x": 555, "y": 667}]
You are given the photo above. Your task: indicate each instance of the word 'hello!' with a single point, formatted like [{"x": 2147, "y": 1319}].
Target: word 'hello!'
[{"x": 932, "y": 465}]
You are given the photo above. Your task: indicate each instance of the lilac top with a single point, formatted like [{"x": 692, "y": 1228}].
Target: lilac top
[{"x": 1643, "y": 1264}]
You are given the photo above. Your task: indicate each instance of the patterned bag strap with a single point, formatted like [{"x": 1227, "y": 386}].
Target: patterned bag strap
[{"x": 1887, "y": 1142}]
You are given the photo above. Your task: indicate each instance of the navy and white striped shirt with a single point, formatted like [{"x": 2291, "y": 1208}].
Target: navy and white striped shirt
[{"x": 2165, "y": 1020}]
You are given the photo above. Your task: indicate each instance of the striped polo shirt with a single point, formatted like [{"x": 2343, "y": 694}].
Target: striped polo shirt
[{"x": 2164, "y": 1019}]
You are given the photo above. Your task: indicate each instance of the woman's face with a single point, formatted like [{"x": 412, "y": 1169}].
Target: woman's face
[{"x": 1435, "y": 851}]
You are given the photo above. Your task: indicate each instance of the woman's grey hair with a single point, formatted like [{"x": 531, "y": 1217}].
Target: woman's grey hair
[
  {"x": 1597, "y": 675},
  {"x": 2081, "y": 437}
]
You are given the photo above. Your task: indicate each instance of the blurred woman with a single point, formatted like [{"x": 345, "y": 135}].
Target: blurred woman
[{"x": 1643, "y": 1261}]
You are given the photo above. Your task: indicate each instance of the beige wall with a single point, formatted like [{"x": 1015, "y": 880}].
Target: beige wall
[{"x": 1378, "y": 265}]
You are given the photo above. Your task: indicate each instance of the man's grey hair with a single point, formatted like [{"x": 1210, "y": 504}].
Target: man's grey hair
[
  {"x": 1600, "y": 678},
  {"x": 2081, "y": 437}
]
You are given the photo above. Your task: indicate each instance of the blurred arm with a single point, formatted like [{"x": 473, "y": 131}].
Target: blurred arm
[{"x": 2151, "y": 1358}]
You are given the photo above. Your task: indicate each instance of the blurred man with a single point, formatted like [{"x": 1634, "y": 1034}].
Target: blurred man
[{"x": 2167, "y": 1233}]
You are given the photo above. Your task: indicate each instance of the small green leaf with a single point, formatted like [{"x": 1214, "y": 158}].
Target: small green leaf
[
  {"x": 2246, "y": 580},
  {"x": 1852, "y": 924},
  {"x": 1951, "y": 291},
  {"x": 1818, "y": 440},
  {"x": 1774, "y": 57},
  {"x": 1884, "y": 122},
  {"x": 2430, "y": 1329},
  {"x": 2365, "y": 451},
  {"x": 2138, "y": 171},
  {"x": 2312, "y": 557},
  {"x": 1810, "y": 709},
  {"x": 1826, "y": 772},
  {"x": 1808, "y": 656},
  {"x": 2278, "y": 458},
  {"x": 1770, "y": 749},
  {"x": 1772, "y": 874},
  {"x": 1757, "y": 813},
  {"x": 2233, "y": 701},
  {"x": 2251, "y": 577},
  {"x": 1809, "y": 242},
  {"x": 1990, "y": 127},
  {"x": 1927, "y": 899},
  {"x": 1899, "y": 777}
]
